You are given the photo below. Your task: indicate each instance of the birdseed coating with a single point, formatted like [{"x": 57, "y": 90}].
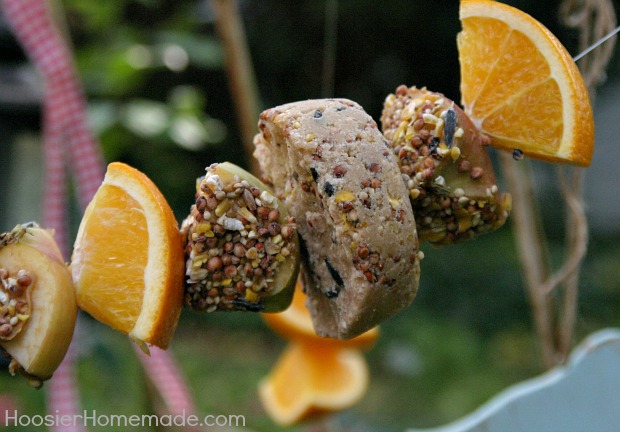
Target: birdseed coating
[
  {"x": 237, "y": 239},
  {"x": 14, "y": 302},
  {"x": 331, "y": 166},
  {"x": 445, "y": 166},
  {"x": 15, "y": 288}
]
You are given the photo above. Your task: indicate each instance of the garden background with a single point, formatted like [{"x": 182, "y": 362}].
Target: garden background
[{"x": 159, "y": 99}]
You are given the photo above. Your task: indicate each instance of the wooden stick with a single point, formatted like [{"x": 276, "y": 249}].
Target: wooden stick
[
  {"x": 577, "y": 243},
  {"x": 531, "y": 250},
  {"x": 329, "y": 48},
  {"x": 240, "y": 74}
]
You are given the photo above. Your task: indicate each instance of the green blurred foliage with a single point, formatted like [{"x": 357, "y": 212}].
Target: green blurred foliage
[
  {"x": 153, "y": 71},
  {"x": 149, "y": 69}
]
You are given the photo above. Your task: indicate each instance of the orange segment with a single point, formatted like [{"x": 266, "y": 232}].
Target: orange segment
[
  {"x": 313, "y": 379},
  {"x": 521, "y": 87},
  {"x": 127, "y": 263},
  {"x": 113, "y": 208},
  {"x": 295, "y": 324}
]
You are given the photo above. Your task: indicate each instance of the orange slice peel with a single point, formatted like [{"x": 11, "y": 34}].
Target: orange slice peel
[
  {"x": 314, "y": 376},
  {"x": 312, "y": 380},
  {"x": 520, "y": 85},
  {"x": 128, "y": 263}
]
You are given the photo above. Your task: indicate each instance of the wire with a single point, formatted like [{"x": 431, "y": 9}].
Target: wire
[{"x": 596, "y": 44}]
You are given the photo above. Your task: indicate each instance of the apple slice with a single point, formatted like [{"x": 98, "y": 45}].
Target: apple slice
[
  {"x": 443, "y": 160},
  {"x": 242, "y": 245},
  {"x": 37, "y": 301}
]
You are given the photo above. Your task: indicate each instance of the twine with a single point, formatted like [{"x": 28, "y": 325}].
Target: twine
[{"x": 594, "y": 19}]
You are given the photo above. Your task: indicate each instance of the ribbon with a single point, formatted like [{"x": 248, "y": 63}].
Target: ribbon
[
  {"x": 66, "y": 135},
  {"x": 69, "y": 144},
  {"x": 168, "y": 380}
]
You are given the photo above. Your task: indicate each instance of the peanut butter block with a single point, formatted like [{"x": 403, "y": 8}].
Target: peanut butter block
[{"x": 329, "y": 163}]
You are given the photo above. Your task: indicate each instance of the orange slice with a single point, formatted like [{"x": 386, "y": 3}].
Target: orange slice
[
  {"x": 127, "y": 262},
  {"x": 295, "y": 324},
  {"x": 521, "y": 87},
  {"x": 311, "y": 380}
]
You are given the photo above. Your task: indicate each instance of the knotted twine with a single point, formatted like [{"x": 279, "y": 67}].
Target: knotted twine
[
  {"x": 594, "y": 19},
  {"x": 70, "y": 147},
  {"x": 554, "y": 325}
]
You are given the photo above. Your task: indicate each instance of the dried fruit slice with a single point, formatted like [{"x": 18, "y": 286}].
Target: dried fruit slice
[
  {"x": 127, "y": 261},
  {"x": 242, "y": 247},
  {"x": 310, "y": 380},
  {"x": 37, "y": 302},
  {"x": 444, "y": 163},
  {"x": 521, "y": 87},
  {"x": 295, "y": 324}
]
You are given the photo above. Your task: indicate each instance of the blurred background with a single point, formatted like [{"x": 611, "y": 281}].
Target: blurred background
[{"x": 159, "y": 99}]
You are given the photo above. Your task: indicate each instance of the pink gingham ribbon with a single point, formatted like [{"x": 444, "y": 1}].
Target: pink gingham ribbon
[
  {"x": 66, "y": 135},
  {"x": 69, "y": 142},
  {"x": 168, "y": 380},
  {"x": 66, "y": 140}
]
